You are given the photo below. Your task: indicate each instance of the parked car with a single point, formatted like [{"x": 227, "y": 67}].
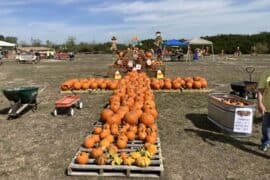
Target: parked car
[{"x": 26, "y": 58}]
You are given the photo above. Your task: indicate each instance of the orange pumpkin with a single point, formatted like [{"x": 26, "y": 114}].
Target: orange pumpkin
[
  {"x": 77, "y": 85},
  {"x": 197, "y": 85},
  {"x": 203, "y": 83},
  {"x": 106, "y": 114},
  {"x": 97, "y": 130},
  {"x": 131, "y": 117},
  {"x": 82, "y": 158},
  {"x": 151, "y": 139},
  {"x": 142, "y": 135},
  {"x": 121, "y": 144},
  {"x": 131, "y": 135},
  {"x": 89, "y": 142},
  {"x": 96, "y": 152},
  {"x": 147, "y": 119}
]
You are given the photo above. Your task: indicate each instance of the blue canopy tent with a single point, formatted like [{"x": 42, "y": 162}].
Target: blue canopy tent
[
  {"x": 177, "y": 53},
  {"x": 174, "y": 42}
]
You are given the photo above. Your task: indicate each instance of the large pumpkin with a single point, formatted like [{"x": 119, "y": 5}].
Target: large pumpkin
[
  {"x": 147, "y": 119},
  {"x": 131, "y": 118},
  {"x": 106, "y": 114}
]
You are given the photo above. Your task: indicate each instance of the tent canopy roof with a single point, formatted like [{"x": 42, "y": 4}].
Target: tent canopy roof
[
  {"x": 6, "y": 44},
  {"x": 174, "y": 42},
  {"x": 200, "y": 41}
]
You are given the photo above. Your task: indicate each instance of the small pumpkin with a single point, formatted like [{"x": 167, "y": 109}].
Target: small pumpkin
[
  {"x": 97, "y": 130},
  {"x": 142, "y": 135},
  {"x": 131, "y": 135},
  {"x": 89, "y": 142},
  {"x": 101, "y": 160},
  {"x": 121, "y": 144},
  {"x": 96, "y": 152},
  {"x": 82, "y": 158},
  {"x": 104, "y": 143},
  {"x": 143, "y": 161}
]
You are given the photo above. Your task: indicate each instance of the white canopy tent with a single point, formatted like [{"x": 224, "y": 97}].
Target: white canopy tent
[
  {"x": 6, "y": 44},
  {"x": 200, "y": 41}
]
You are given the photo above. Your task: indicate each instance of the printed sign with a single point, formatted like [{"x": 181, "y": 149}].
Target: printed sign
[
  {"x": 138, "y": 66},
  {"x": 243, "y": 120}
]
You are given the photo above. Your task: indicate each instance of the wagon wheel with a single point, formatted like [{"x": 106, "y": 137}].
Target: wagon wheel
[
  {"x": 71, "y": 112},
  {"x": 55, "y": 113},
  {"x": 80, "y": 105}
]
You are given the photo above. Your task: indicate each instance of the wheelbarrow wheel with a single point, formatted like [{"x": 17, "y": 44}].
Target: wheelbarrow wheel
[
  {"x": 71, "y": 112},
  {"x": 10, "y": 111},
  {"x": 55, "y": 113}
]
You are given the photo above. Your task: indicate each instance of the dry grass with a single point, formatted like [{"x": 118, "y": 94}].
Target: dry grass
[{"x": 38, "y": 145}]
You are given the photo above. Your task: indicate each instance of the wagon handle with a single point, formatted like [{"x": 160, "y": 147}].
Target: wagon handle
[{"x": 250, "y": 71}]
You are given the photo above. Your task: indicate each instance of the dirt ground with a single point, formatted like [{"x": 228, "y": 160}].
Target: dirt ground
[{"x": 40, "y": 146}]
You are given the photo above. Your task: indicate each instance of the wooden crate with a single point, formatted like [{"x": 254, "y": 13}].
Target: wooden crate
[{"x": 155, "y": 169}]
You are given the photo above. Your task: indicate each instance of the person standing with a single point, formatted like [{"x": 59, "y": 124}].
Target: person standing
[{"x": 264, "y": 108}]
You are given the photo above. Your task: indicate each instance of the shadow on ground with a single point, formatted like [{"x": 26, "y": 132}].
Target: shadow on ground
[
  {"x": 4, "y": 111},
  {"x": 209, "y": 133},
  {"x": 240, "y": 144},
  {"x": 201, "y": 121}
]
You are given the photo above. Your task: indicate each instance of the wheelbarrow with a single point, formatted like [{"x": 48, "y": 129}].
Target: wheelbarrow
[
  {"x": 20, "y": 99},
  {"x": 245, "y": 89},
  {"x": 67, "y": 104}
]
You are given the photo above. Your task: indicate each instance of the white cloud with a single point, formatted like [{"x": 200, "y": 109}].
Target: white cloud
[{"x": 174, "y": 18}]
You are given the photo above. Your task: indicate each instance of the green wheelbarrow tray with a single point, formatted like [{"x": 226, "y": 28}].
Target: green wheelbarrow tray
[{"x": 24, "y": 95}]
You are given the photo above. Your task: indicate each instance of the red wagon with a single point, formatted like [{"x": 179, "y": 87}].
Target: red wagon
[{"x": 68, "y": 103}]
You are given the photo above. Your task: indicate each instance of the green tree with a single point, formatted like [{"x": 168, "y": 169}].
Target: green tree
[
  {"x": 49, "y": 44},
  {"x": 70, "y": 44},
  {"x": 261, "y": 48},
  {"x": 36, "y": 42},
  {"x": 2, "y": 38},
  {"x": 11, "y": 39}
]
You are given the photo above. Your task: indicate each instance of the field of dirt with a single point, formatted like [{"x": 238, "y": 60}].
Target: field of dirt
[{"x": 40, "y": 146}]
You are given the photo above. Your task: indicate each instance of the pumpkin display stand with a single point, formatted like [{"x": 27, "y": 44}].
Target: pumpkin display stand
[
  {"x": 155, "y": 170},
  {"x": 123, "y": 71}
]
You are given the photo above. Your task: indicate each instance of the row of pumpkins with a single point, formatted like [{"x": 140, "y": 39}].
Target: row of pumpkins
[
  {"x": 91, "y": 83},
  {"x": 156, "y": 84},
  {"x": 131, "y": 115},
  {"x": 196, "y": 82}
]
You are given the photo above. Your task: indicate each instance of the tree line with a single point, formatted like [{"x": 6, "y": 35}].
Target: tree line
[{"x": 226, "y": 42}]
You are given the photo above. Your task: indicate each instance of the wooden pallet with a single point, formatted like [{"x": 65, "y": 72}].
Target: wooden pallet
[
  {"x": 183, "y": 91},
  {"x": 197, "y": 90},
  {"x": 96, "y": 91},
  {"x": 155, "y": 169},
  {"x": 99, "y": 91},
  {"x": 74, "y": 92}
]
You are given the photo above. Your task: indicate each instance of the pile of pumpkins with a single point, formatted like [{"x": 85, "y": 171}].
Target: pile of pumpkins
[
  {"x": 231, "y": 101},
  {"x": 196, "y": 82},
  {"x": 91, "y": 83},
  {"x": 131, "y": 115}
]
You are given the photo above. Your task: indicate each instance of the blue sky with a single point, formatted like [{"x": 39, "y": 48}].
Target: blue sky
[{"x": 98, "y": 20}]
